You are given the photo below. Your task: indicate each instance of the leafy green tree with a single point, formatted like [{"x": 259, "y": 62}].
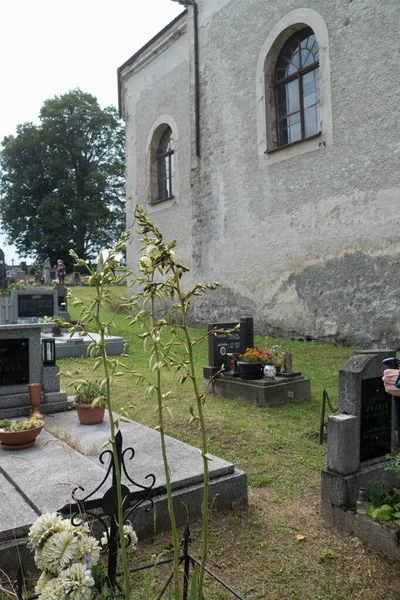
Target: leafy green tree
[{"x": 62, "y": 181}]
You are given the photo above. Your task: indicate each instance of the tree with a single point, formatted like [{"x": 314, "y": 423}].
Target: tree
[{"x": 62, "y": 181}]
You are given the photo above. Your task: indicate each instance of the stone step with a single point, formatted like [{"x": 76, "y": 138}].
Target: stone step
[{"x": 17, "y": 406}]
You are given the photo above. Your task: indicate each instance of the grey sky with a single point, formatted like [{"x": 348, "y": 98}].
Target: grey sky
[{"x": 51, "y": 46}]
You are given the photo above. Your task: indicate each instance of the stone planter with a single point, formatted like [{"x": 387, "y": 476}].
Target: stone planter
[
  {"x": 19, "y": 440},
  {"x": 250, "y": 370},
  {"x": 88, "y": 415}
]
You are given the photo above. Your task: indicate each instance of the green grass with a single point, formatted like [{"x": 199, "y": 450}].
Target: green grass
[{"x": 257, "y": 550}]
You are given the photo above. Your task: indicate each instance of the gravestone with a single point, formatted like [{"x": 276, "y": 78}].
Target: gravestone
[
  {"x": 33, "y": 304},
  {"x": 21, "y": 364},
  {"x": 2, "y": 267},
  {"x": 46, "y": 271},
  {"x": 3, "y": 272},
  {"x": 62, "y": 297},
  {"x": 360, "y": 438},
  {"x": 221, "y": 343}
]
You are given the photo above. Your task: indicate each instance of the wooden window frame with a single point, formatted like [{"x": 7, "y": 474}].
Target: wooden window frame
[
  {"x": 162, "y": 159},
  {"x": 295, "y": 76}
]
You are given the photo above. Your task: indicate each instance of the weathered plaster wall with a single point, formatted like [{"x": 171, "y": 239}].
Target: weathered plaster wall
[
  {"x": 310, "y": 245},
  {"x": 154, "y": 93}
]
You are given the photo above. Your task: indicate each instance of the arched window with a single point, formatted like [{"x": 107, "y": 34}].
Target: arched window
[
  {"x": 297, "y": 88},
  {"x": 165, "y": 165}
]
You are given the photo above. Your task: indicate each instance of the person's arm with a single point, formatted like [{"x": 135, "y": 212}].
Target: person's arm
[{"x": 389, "y": 379}]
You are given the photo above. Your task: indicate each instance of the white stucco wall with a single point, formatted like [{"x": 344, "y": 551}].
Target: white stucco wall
[
  {"x": 155, "y": 90},
  {"x": 309, "y": 246}
]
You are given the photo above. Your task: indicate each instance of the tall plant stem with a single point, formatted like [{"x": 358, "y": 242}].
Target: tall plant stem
[
  {"x": 204, "y": 450},
  {"x": 124, "y": 557},
  {"x": 175, "y": 537}
]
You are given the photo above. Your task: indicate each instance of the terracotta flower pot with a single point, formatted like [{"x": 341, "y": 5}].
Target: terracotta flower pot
[
  {"x": 88, "y": 415},
  {"x": 19, "y": 440},
  {"x": 250, "y": 370}
]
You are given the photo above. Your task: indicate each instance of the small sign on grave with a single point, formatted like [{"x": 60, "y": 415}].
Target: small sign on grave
[
  {"x": 14, "y": 361},
  {"x": 35, "y": 305},
  {"x": 375, "y": 420}
]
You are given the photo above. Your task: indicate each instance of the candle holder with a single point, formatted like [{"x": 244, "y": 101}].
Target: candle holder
[{"x": 48, "y": 353}]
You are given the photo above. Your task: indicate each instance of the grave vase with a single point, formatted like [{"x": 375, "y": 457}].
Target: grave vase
[
  {"x": 35, "y": 392},
  {"x": 250, "y": 370}
]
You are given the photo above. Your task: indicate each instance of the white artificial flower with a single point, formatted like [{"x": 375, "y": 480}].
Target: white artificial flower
[
  {"x": 129, "y": 534},
  {"x": 53, "y": 590},
  {"x": 89, "y": 549},
  {"x": 42, "y": 582},
  {"x": 41, "y": 526},
  {"x": 58, "y": 552},
  {"x": 76, "y": 582}
]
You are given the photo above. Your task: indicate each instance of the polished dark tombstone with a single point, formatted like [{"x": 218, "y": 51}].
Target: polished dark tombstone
[
  {"x": 14, "y": 362},
  {"x": 221, "y": 343},
  {"x": 35, "y": 305},
  {"x": 375, "y": 420}
]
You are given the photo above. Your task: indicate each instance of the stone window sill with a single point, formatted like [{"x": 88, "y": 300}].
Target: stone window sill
[{"x": 293, "y": 144}]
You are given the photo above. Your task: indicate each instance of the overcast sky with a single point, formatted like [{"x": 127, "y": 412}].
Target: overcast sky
[{"x": 49, "y": 47}]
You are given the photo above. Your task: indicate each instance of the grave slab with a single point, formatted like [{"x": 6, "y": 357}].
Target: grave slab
[
  {"x": 75, "y": 346},
  {"x": 66, "y": 455},
  {"x": 260, "y": 392}
]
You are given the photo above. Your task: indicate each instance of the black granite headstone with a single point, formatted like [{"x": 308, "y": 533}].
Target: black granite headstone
[
  {"x": 14, "y": 362},
  {"x": 62, "y": 296},
  {"x": 35, "y": 305},
  {"x": 375, "y": 420},
  {"x": 221, "y": 342}
]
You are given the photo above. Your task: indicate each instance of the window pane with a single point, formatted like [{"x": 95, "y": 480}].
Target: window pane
[
  {"x": 289, "y": 129},
  {"x": 283, "y": 132},
  {"x": 311, "y": 120},
  {"x": 166, "y": 142},
  {"x": 289, "y": 60},
  {"x": 288, "y": 98},
  {"x": 309, "y": 50},
  {"x": 311, "y": 88},
  {"x": 162, "y": 179},
  {"x": 294, "y": 128}
]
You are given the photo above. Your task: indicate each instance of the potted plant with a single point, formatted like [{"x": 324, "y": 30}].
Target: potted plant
[
  {"x": 252, "y": 361},
  {"x": 90, "y": 403},
  {"x": 18, "y": 435}
]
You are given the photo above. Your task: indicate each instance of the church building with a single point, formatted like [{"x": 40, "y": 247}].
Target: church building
[{"x": 264, "y": 136}]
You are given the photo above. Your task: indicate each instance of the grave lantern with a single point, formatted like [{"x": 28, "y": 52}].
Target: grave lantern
[{"x": 48, "y": 352}]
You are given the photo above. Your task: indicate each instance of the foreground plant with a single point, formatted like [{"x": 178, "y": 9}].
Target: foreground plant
[
  {"x": 91, "y": 320},
  {"x": 160, "y": 280}
]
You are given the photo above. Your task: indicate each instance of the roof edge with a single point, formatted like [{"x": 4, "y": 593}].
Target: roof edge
[{"x": 141, "y": 50}]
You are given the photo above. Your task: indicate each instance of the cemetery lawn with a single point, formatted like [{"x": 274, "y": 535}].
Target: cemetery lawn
[{"x": 278, "y": 548}]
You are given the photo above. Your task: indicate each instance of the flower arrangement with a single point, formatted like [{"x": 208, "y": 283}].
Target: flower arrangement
[
  {"x": 11, "y": 425},
  {"x": 276, "y": 354},
  {"x": 65, "y": 554},
  {"x": 256, "y": 355}
]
